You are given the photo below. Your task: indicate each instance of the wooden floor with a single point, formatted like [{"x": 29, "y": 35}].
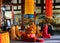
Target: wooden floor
[{"x": 53, "y": 39}]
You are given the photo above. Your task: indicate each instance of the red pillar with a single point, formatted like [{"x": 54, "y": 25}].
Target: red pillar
[
  {"x": 48, "y": 7},
  {"x": 12, "y": 12}
]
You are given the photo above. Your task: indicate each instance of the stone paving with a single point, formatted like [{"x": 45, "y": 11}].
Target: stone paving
[{"x": 53, "y": 39}]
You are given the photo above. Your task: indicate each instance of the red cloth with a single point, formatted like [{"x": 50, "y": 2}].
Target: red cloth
[
  {"x": 45, "y": 29},
  {"x": 32, "y": 35},
  {"x": 25, "y": 38},
  {"x": 0, "y": 38},
  {"x": 45, "y": 32},
  {"x": 37, "y": 40}
]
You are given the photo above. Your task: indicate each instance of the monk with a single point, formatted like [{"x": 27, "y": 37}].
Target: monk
[{"x": 13, "y": 33}]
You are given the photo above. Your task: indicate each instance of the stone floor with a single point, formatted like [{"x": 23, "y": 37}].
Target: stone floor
[{"x": 53, "y": 39}]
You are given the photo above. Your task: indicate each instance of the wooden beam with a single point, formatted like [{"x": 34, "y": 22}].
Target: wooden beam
[
  {"x": 56, "y": 4},
  {"x": 13, "y": 4},
  {"x": 56, "y": 8}
]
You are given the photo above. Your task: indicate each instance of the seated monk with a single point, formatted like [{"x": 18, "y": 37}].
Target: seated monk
[
  {"x": 33, "y": 26},
  {"x": 13, "y": 33},
  {"x": 17, "y": 31},
  {"x": 31, "y": 29},
  {"x": 31, "y": 34},
  {"x": 38, "y": 33}
]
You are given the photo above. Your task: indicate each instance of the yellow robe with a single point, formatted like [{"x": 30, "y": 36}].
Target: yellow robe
[
  {"x": 12, "y": 33},
  {"x": 17, "y": 31}
]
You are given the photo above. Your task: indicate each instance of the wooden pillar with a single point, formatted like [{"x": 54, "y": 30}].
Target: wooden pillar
[
  {"x": 54, "y": 3},
  {"x": 12, "y": 12},
  {"x": 22, "y": 8},
  {"x": 0, "y": 11},
  {"x": 48, "y": 7},
  {"x": 42, "y": 6},
  {"x": 34, "y": 11}
]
